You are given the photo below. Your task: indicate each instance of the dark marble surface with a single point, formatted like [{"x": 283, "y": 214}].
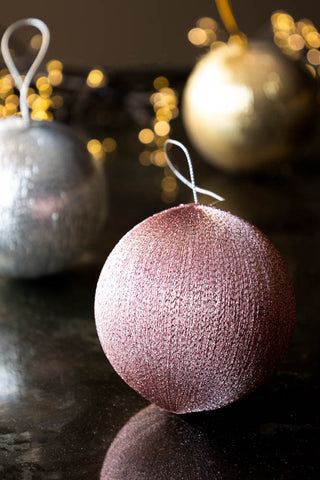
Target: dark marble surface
[{"x": 65, "y": 414}]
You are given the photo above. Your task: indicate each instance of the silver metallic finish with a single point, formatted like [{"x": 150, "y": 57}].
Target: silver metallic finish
[{"x": 52, "y": 198}]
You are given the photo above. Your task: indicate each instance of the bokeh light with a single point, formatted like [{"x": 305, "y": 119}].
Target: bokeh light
[
  {"x": 146, "y": 136},
  {"x": 40, "y": 99},
  {"x": 164, "y": 101},
  {"x": 298, "y": 39},
  {"x": 96, "y": 78},
  {"x": 109, "y": 145}
]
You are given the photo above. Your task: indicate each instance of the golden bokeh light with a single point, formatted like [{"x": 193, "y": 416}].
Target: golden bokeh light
[
  {"x": 197, "y": 36},
  {"x": 13, "y": 99},
  {"x": 165, "y": 106},
  {"x": 169, "y": 183},
  {"x": 313, "y": 56},
  {"x": 160, "y": 82},
  {"x": 54, "y": 65},
  {"x": 146, "y": 136},
  {"x": 313, "y": 39},
  {"x": 207, "y": 23},
  {"x": 94, "y": 146},
  {"x": 11, "y": 108},
  {"x": 158, "y": 158},
  {"x": 41, "y": 81},
  {"x": 162, "y": 128},
  {"x": 145, "y": 158},
  {"x": 56, "y": 101},
  {"x": 36, "y": 41},
  {"x": 55, "y": 77},
  {"x": 296, "y": 42},
  {"x": 109, "y": 145},
  {"x": 45, "y": 91},
  {"x": 96, "y": 78},
  {"x": 312, "y": 70},
  {"x": 40, "y": 99},
  {"x": 39, "y": 115}
]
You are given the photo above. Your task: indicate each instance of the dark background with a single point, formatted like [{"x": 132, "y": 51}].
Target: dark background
[{"x": 122, "y": 33}]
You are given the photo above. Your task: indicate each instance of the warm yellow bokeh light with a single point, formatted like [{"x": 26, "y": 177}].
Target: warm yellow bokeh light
[
  {"x": 41, "y": 81},
  {"x": 45, "y": 91},
  {"x": 162, "y": 128},
  {"x": 94, "y": 146},
  {"x": 169, "y": 184},
  {"x": 96, "y": 78},
  {"x": 31, "y": 99},
  {"x": 55, "y": 77},
  {"x": 144, "y": 158},
  {"x": 56, "y": 101},
  {"x": 164, "y": 113},
  {"x": 313, "y": 39},
  {"x": 197, "y": 36},
  {"x": 14, "y": 99},
  {"x": 36, "y": 41},
  {"x": 313, "y": 56},
  {"x": 146, "y": 136},
  {"x": 207, "y": 23},
  {"x": 54, "y": 65},
  {"x": 11, "y": 109},
  {"x": 160, "y": 82},
  {"x": 159, "y": 158},
  {"x": 109, "y": 145},
  {"x": 296, "y": 42},
  {"x": 312, "y": 70},
  {"x": 39, "y": 115}
]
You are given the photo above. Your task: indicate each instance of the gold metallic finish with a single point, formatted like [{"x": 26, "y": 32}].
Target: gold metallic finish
[{"x": 243, "y": 107}]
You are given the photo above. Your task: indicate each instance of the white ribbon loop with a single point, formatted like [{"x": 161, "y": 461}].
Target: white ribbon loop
[
  {"x": 191, "y": 184},
  {"x": 24, "y": 85}
]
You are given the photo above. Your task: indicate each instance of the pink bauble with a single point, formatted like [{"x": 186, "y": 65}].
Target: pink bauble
[{"x": 194, "y": 308}]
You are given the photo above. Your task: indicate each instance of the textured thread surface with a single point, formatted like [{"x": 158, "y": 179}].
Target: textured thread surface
[{"x": 194, "y": 308}]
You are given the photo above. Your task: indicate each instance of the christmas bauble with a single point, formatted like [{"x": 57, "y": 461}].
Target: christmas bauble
[
  {"x": 244, "y": 106},
  {"x": 155, "y": 445},
  {"x": 52, "y": 197},
  {"x": 194, "y": 308}
]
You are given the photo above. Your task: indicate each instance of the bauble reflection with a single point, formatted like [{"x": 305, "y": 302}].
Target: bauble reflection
[
  {"x": 245, "y": 105},
  {"x": 52, "y": 198},
  {"x": 156, "y": 445}
]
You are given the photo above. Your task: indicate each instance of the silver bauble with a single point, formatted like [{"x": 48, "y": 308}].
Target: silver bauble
[
  {"x": 246, "y": 105},
  {"x": 52, "y": 198}
]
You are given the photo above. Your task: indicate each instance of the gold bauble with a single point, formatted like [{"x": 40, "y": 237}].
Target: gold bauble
[{"x": 247, "y": 104}]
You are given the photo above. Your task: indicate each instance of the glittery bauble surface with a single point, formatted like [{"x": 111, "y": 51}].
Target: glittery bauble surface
[
  {"x": 194, "y": 308},
  {"x": 244, "y": 107},
  {"x": 52, "y": 198}
]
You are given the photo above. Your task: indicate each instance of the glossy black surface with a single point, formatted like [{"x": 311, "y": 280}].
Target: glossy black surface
[{"x": 62, "y": 405}]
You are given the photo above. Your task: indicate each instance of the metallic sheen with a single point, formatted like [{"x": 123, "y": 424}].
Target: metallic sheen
[
  {"x": 194, "y": 308},
  {"x": 246, "y": 106},
  {"x": 52, "y": 198}
]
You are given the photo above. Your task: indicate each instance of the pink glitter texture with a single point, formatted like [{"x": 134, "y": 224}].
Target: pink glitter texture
[{"x": 194, "y": 308}]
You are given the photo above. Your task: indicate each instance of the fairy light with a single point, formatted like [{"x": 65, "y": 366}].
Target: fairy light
[
  {"x": 299, "y": 39},
  {"x": 41, "y": 99},
  {"x": 164, "y": 101},
  {"x": 146, "y": 136},
  {"x": 96, "y": 78},
  {"x": 36, "y": 41},
  {"x": 109, "y": 145},
  {"x": 294, "y": 38}
]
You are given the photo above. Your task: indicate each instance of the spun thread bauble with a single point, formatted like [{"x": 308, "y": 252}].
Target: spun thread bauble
[{"x": 194, "y": 308}]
